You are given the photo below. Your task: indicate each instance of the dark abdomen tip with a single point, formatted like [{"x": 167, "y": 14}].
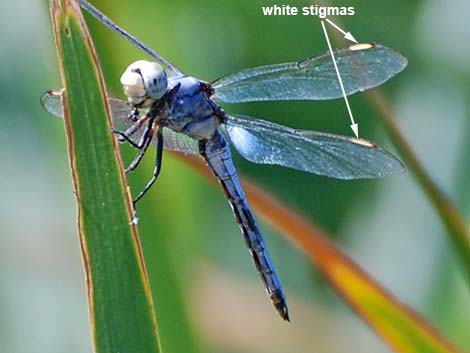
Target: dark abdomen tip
[{"x": 279, "y": 302}]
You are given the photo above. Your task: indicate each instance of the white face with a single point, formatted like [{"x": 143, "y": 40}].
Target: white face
[{"x": 144, "y": 82}]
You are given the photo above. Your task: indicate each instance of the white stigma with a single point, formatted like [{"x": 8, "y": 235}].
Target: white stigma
[{"x": 144, "y": 82}]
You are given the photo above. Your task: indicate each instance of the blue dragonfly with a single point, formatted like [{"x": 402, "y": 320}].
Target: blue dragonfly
[{"x": 178, "y": 112}]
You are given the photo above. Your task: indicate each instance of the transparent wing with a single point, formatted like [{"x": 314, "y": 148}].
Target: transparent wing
[
  {"x": 172, "y": 141},
  {"x": 362, "y": 66},
  {"x": 330, "y": 155},
  {"x": 51, "y": 101}
]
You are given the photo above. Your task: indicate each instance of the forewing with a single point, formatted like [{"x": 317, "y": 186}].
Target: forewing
[
  {"x": 330, "y": 155},
  {"x": 362, "y": 66},
  {"x": 172, "y": 141},
  {"x": 51, "y": 101}
]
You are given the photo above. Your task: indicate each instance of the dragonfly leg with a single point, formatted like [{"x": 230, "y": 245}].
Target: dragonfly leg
[
  {"x": 158, "y": 164},
  {"x": 131, "y": 130},
  {"x": 124, "y": 138},
  {"x": 133, "y": 114},
  {"x": 143, "y": 144}
]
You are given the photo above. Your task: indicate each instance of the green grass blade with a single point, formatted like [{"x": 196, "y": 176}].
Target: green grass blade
[
  {"x": 452, "y": 219},
  {"x": 120, "y": 303}
]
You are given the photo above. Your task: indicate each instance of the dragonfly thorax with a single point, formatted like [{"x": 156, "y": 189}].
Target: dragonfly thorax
[
  {"x": 190, "y": 109},
  {"x": 144, "y": 82}
]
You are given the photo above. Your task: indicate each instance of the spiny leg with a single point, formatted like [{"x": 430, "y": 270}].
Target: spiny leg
[
  {"x": 143, "y": 145},
  {"x": 131, "y": 130},
  {"x": 133, "y": 114},
  {"x": 124, "y": 138},
  {"x": 158, "y": 164}
]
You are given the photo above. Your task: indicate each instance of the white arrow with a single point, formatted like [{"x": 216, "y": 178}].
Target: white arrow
[
  {"x": 347, "y": 35},
  {"x": 354, "y": 126}
]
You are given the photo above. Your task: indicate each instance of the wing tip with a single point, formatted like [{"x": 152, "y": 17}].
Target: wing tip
[
  {"x": 395, "y": 166},
  {"x": 372, "y": 45},
  {"x": 48, "y": 99},
  {"x": 52, "y": 92},
  {"x": 401, "y": 167}
]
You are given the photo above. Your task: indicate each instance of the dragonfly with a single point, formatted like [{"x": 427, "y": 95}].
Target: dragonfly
[{"x": 174, "y": 111}]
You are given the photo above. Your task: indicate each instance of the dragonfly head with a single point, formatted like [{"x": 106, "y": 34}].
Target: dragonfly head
[{"x": 144, "y": 82}]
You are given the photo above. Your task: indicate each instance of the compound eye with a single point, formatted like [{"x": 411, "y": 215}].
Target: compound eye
[{"x": 144, "y": 82}]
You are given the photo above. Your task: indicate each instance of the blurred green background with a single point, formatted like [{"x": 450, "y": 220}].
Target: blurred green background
[{"x": 386, "y": 225}]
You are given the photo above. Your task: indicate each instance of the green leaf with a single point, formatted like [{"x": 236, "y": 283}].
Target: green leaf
[{"x": 120, "y": 303}]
